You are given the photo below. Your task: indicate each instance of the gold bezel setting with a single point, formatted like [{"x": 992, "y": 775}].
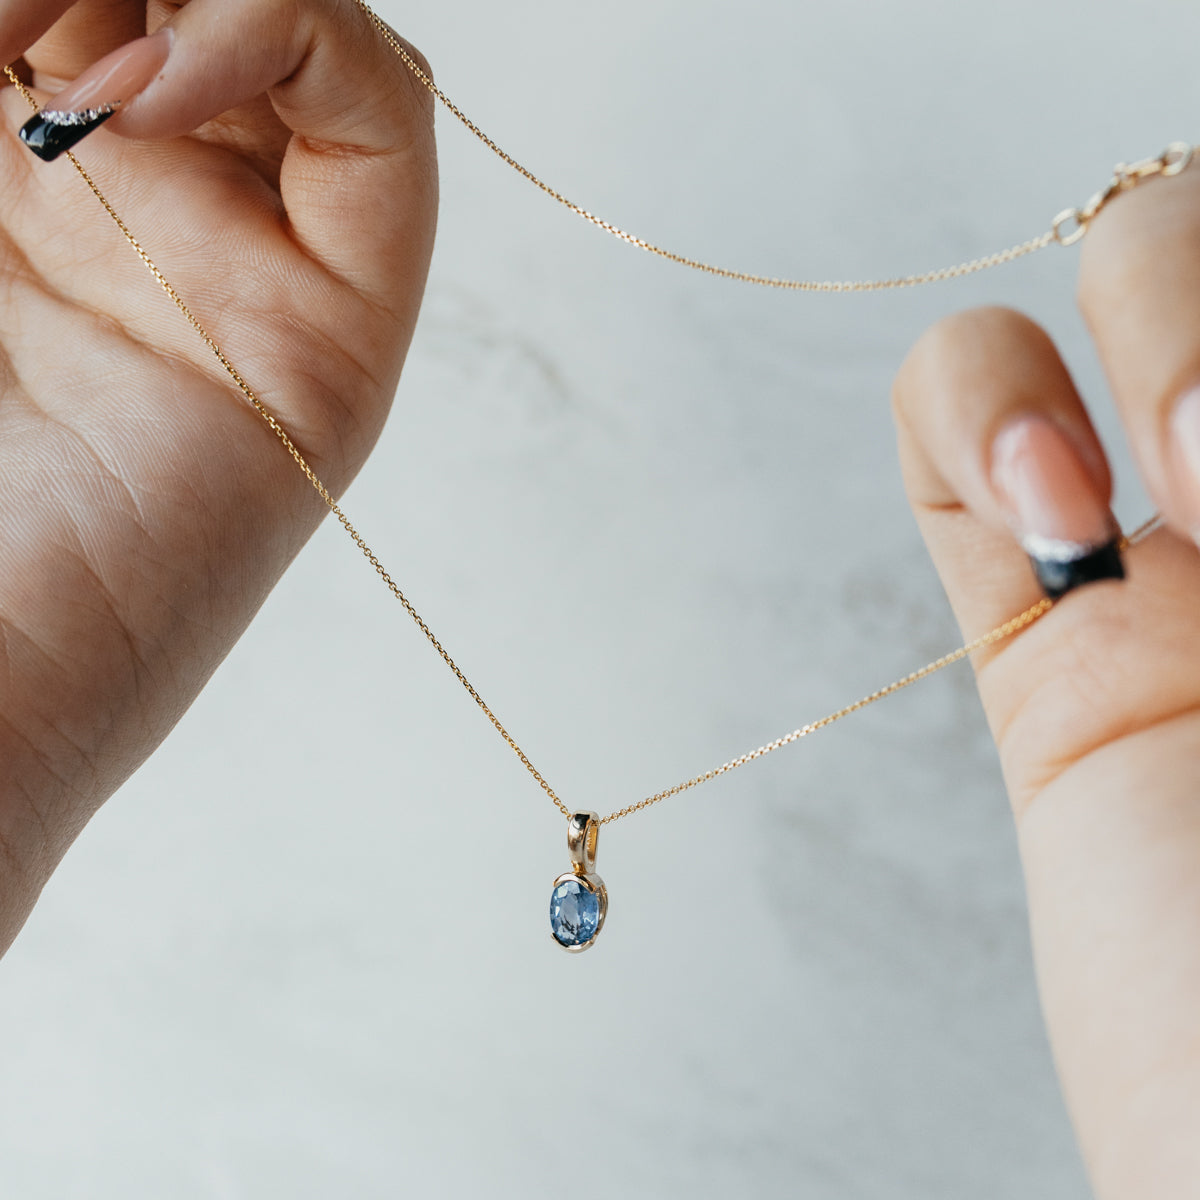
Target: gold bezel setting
[{"x": 594, "y": 884}]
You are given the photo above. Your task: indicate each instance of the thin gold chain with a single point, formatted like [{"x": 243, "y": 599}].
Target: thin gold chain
[
  {"x": 1169, "y": 162},
  {"x": 1068, "y": 226},
  {"x": 998, "y": 634},
  {"x": 787, "y": 285},
  {"x": 1010, "y": 627}
]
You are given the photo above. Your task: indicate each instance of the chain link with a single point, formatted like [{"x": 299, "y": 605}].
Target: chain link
[{"x": 1174, "y": 159}]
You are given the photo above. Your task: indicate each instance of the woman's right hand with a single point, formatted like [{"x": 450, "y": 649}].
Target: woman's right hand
[{"x": 1096, "y": 707}]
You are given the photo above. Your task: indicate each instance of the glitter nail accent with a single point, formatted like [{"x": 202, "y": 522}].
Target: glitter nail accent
[
  {"x": 1056, "y": 550},
  {"x": 83, "y": 117}
]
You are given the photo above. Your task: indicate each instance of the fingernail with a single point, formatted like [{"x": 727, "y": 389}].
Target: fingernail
[
  {"x": 1185, "y": 428},
  {"x": 1054, "y": 506},
  {"x": 91, "y": 99}
]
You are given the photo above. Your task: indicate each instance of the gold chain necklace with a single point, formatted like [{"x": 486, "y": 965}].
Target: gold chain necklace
[{"x": 579, "y": 900}]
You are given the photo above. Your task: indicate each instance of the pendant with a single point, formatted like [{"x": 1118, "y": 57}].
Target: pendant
[{"x": 579, "y": 902}]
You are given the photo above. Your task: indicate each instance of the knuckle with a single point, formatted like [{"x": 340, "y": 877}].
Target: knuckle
[
  {"x": 389, "y": 46},
  {"x": 411, "y": 89},
  {"x": 419, "y": 88},
  {"x": 419, "y": 58}
]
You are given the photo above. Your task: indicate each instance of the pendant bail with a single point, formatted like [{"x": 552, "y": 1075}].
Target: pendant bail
[{"x": 583, "y": 832}]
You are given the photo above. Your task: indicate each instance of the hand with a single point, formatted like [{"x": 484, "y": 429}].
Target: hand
[
  {"x": 277, "y": 161},
  {"x": 1096, "y": 707}
]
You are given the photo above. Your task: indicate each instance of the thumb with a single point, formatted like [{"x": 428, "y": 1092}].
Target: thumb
[{"x": 360, "y": 164}]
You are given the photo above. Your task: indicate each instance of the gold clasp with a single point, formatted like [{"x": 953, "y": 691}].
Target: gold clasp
[{"x": 1171, "y": 161}]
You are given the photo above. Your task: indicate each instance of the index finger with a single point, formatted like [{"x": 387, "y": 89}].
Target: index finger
[
  {"x": 22, "y": 22},
  {"x": 61, "y": 39}
]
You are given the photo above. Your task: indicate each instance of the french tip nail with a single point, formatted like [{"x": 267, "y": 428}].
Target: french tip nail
[
  {"x": 1055, "y": 505},
  {"x": 1062, "y": 567},
  {"x": 50, "y": 133}
]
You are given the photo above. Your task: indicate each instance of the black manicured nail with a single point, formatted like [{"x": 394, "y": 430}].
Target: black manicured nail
[
  {"x": 1063, "y": 566},
  {"x": 50, "y": 132}
]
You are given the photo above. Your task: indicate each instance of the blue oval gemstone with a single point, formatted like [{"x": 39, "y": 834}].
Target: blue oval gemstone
[{"x": 574, "y": 912}]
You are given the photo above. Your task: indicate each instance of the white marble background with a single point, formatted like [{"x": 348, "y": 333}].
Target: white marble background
[{"x": 658, "y": 519}]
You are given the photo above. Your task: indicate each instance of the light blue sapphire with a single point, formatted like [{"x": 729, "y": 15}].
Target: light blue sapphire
[{"x": 574, "y": 912}]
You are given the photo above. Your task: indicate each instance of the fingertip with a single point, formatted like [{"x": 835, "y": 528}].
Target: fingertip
[
  {"x": 24, "y": 23},
  {"x": 965, "y": 378},
  {"x": 1002, "y": 465},
  {"x": 96, "y": 96}
]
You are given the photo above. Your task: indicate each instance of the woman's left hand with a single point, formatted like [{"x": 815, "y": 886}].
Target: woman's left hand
[{"x": 276, "y": 160}]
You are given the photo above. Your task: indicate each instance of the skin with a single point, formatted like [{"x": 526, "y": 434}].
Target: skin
[{"x": 145, "y": 512}]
